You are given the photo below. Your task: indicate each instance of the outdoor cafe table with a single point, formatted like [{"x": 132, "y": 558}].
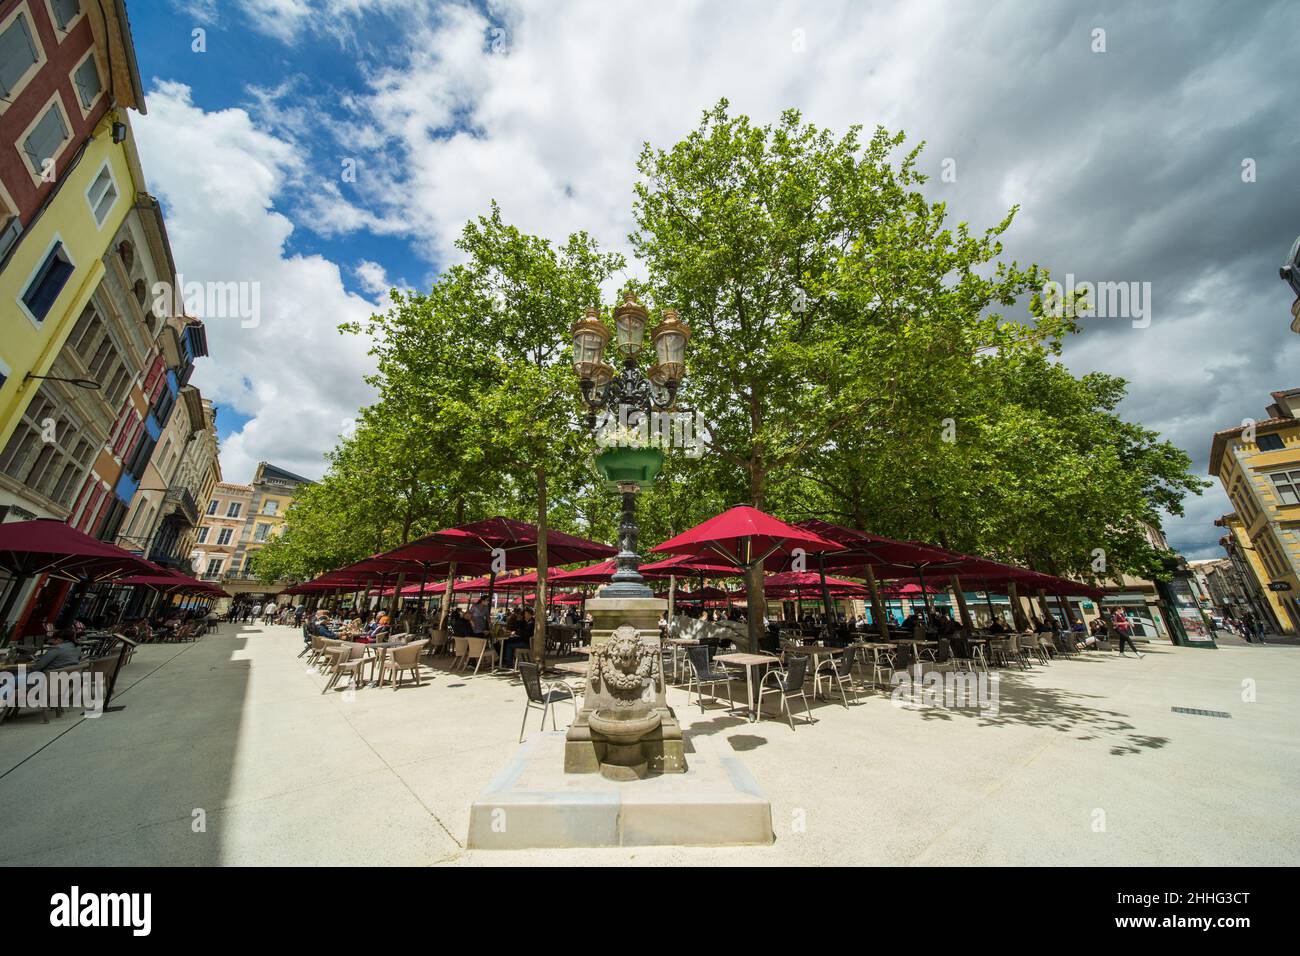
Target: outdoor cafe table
[
  {"x": 751, "y": 663},
  {"x": 377, "y": 662}
]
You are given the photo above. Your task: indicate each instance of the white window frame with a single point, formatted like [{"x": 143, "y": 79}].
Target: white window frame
[
  {"x": 62, "y": 32},
  {"x": 40, "y": 262},
  {"x": 234, "y": 509},
  {"x": 57, "y": 102},
  {"x": 1285, "y": 474},
  {"x": 112, "y": 182},
  {"x": 17, "y": 91},
  {"x": 72, "y": 81}
]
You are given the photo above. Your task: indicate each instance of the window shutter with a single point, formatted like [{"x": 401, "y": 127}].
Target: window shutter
[
  {"x": 64, "y": 11},
  {"x": 87, "y": 80},
  {"x": 17, "y": 54},
  {"x": 44, "y": 141}
]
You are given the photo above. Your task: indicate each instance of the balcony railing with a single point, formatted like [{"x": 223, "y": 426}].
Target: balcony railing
[{"x": 184, "y": 503}]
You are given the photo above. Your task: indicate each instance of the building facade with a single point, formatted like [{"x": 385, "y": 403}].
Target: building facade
[
  {"x": 238, "y": 521},
  {"x": 96, "y": 413},
  {"x": 1258, "y": 464}
]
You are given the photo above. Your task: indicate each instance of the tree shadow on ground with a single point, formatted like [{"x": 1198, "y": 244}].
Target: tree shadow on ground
[{"x": 1051, "y": 708}]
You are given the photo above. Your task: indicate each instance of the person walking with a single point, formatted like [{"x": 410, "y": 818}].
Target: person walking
[{"x": 1122, "y": 630}]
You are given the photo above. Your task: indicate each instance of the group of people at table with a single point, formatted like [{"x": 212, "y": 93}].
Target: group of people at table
[{"x": 516, "y": 626}]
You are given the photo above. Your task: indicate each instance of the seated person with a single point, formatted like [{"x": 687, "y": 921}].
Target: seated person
[
  {"x": 997, "y": 627},
  {"x": 60, "y": 651},
  {"x": 947, "y": 626},
  {"x": 521, "y": 639},
  {"x": 322, "y": 627},
  {"x": 459, "y": 624}
]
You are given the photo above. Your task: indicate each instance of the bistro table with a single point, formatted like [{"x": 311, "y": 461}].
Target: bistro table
[
  {"x": 377, "y": 662},
  {"x": 751, "y": 663}
]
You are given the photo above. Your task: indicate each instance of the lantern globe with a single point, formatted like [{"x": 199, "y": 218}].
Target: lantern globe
[
  {"x": 590, "y": 335},
  {"x": 630, "y": 320}
]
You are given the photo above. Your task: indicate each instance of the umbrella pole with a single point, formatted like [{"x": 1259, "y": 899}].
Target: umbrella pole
[
  {"x": 419, "y": 604},
  {"x": 672, "y": 594}
]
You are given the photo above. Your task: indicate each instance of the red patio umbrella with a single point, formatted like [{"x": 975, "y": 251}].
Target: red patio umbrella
[
  {"x": 747, "y": 538},
  {"x": 48, "y": 546}
]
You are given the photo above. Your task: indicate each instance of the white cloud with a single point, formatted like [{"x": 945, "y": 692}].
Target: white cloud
[
  {"x": 219, "y": 178},
  {"x": 1125, "y": 164},
  {"x": 372, "y": 277}
]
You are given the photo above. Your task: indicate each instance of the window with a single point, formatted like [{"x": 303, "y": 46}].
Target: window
[
  {"x": 126, "y": 252},
  {"x": 203, "y": 536},
  {"x": 212, "y": 506},
  {"x": 233, "y": 510},
  {"x": 46, "y": 284},
  {"x": 46, "y": 139},
  {"x": 224, "y": 535},
  {"x": 1270, "y": 443},
  {"x": 1286, "y": 485},
  {"x": 270, "y": 507},
  {"x": 85, "y": 78},
  {"x": 102, "y": 194},
  {"x": 262, "y": 531},
  {"x": 214, "y": 567},
  {"x": 20, "y": 57},
  {"x": 64, "y": 12},
  {"x": 53, "y": 467}
]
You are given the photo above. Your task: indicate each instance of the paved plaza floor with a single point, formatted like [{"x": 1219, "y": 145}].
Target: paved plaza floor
[{"x": 227, "y": 752}]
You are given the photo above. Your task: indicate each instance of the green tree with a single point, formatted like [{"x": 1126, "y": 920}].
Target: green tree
[{"x": 825, "y": 294}]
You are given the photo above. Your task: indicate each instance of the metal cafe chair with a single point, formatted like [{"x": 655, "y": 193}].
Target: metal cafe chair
[
  {"x": 543, "y": 696},
  {"x": 704, "y": 672},
  {"x": 787, "y": 682},
  {"x": 837, "y": 673}
]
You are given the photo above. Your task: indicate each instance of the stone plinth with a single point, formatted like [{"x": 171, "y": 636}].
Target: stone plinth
[
  {"x": 533, "y": 803},
  {"x": 587, "y": 748},
  {"x": 609, "y": 613}
]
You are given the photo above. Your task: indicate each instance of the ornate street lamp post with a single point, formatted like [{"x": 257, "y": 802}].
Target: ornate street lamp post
[{"x": 629, "y": 398}]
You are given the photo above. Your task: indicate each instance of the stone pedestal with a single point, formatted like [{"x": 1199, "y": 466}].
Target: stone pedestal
[
  {"x": 532, "y": 803},
  {"x": 653, "y": 742}
]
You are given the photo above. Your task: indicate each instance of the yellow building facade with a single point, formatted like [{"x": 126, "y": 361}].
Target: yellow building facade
[
  {"x": 1258, "y": 463},
  {"x": 30, "y": 347}
]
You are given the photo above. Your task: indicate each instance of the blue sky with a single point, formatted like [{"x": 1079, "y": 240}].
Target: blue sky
[{"x": 1126, "y": 161}]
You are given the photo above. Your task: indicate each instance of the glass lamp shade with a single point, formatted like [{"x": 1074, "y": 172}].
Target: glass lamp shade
[
  {"x": 630, "y": 320},
  {"x": 670, "y": 339},
  {"x": 589, "y": 338}
]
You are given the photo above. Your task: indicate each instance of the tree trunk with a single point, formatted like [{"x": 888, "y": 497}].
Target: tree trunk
[
  {"x": 447, "y": 594},
  {"x": 539, "y": 607}
]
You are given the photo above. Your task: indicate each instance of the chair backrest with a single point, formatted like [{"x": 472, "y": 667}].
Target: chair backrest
[
  {"x": 903, "y": 656},
  {"x": 437, "y": 638},
  {"x": 531, "y": 676},
  {"x": 698, "y": 655},
  {"x": 460, "y": 645},
  {"x": 796, "y": 670},
  {"x": 845, "y": 663},
  {"x": 944, "y": 651},
  {"x": 475, "y": 645},
  {"x": 408, "y": 654}
]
